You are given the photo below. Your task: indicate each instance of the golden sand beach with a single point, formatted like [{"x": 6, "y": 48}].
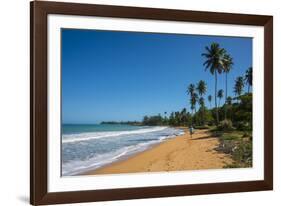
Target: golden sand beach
[{"x": 176, "y": 154}]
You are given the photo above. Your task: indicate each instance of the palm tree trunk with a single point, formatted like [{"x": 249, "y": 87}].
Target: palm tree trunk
[
  {"x": 192, "y": 117},
  {"x": 201, "y": 106},
  {"x": 195, "y": 122},
  {"x": 203, "y": 115},
  {"x": 217, "y": 114},
  {"x": 225, "y": 107}
]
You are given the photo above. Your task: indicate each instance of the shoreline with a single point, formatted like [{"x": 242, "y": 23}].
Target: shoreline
[{"x": 176, "y": 154}]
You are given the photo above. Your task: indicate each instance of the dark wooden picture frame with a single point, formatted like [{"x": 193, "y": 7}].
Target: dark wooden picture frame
[{"x": 38, "y": 102}]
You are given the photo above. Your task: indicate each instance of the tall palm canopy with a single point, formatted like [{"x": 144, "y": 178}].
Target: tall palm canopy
[
  {"x": 239, "y": 85},
  {"x": 214, "y": 58},
  {"x": 227, "y": 63},
  {"x": 191, "y": 89},
  {"x": 220, "y": 93},
  {"x": 201, "y": 87},
  {"x": 214, "y": 63},
  {"x": 249, "y": 78}
]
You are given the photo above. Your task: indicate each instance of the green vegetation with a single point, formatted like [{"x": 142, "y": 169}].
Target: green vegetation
[
  {"x": 239, "y": 145},
  {"x": 225, "y": 125},
  {"x": 135, "y": 123}
]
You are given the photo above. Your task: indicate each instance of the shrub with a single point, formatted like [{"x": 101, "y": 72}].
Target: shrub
[
  {"x": 243, "y": 153},
  {"x": 225, "y": 125},
  {"x": 242, "y": 126},
  {"x": 226, "y": 146}
]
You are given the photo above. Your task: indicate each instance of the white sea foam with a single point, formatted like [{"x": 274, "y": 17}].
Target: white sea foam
[
  {"x": 76, "y": 167},
  {"x": 70, "y": 138}
]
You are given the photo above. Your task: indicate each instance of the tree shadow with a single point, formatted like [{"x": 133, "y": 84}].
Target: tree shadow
[{"x": 205, "y": 137}]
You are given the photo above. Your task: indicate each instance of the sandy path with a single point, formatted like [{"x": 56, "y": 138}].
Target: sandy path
[{"x": 180, "y": 153}]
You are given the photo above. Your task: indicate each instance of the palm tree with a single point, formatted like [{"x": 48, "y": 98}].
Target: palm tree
[
  {"x": 249, "y": 78},
  {"x": 238, "y": 87},
  {"x": 210, "y": 100},
  {"x": 227, "y": 66},
  {"x": 202, "y": 108},
  {"x": 201, "y": 102},
  {"x": 190, "y": 92},
  {"x": 220, "y": 95},
  {"x": 214, "y": 63},
  {"x": 201, "y": 88},
  {"x": 191, "y": 89},
  {"x": 193, "y": 101}
]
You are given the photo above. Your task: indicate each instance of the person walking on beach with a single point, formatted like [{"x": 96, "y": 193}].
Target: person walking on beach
[{"x": 191, "y": 130}]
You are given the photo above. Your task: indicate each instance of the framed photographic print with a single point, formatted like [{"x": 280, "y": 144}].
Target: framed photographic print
[{"x": 133, "y": 102}]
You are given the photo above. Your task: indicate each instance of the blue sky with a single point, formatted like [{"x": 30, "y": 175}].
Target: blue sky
[{"x": 120, "y": 76}]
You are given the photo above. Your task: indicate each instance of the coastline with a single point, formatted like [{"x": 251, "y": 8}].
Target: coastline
[{"x": 176, "y": 154}]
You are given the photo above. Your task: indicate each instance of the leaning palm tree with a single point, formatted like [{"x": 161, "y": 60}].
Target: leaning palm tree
[
  {"x": 220, "y": 95},
  {"x": 214, "y": 63},
  {"x": 210, "y": 100},
  {"x": 227, "y": 66},
  {"x": 249, "y": 78},
  {"x": 238, "y": 87}
]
